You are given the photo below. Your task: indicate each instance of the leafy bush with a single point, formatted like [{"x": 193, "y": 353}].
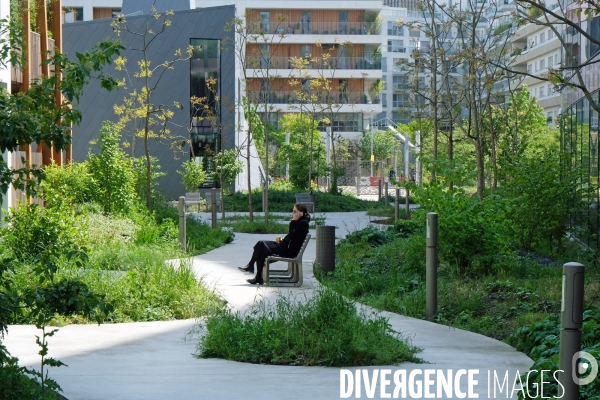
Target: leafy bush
[
  {"x": 112, "y": 172},
  {"x": 541, "y": 342},
  {"x": 32, "y": 229},
  {"x": 65, "y": 186},
  {"x": 472, "y": 232},
  {"x": 324, "y": 330}
]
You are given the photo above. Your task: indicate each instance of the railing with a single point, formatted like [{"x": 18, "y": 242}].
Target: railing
[
  {"x": 312, "y": 98},
  {"x": 364, "y": 62},
  {"x": 315, "y": 28},
  {"x": 35, "y": 59}
]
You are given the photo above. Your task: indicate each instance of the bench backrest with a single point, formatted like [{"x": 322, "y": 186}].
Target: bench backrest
[
  {"x": 302, "y": 198},
  {"x": 303, "y": 246}
]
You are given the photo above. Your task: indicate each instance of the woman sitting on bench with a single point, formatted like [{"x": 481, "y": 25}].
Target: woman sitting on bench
[{"x": 289, "y": 246}]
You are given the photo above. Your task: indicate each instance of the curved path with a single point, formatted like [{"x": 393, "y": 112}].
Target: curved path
[{"x": 154, "y": 360}]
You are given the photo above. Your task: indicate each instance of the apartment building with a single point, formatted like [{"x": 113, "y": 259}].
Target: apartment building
[
  {"x": 87, "y": 10},
  {"x": 537, "y": 49}
]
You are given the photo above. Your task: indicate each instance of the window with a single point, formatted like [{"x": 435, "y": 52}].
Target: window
[
  {"x": 264, "y": 21},
  {"x": 555, "y": 59},
  {"x": 536, "y": 67},
  {"x": 384, "y": 84},
  {"x": 400, "y": 82},
  {"x": 542, "y": 37},
  {"x": 396, "y": 46},
  {"x": 550, "y": 62},
  {"x": 384, "y": 100},
  {"x": 383, "y": 64},
  {"x": 414, "y": 33},
  {"x": 72, "y": 14},
  {"x": 550, "y": 34},
  {"x": 265, "y": 55},
  {"x": 399, "y": 100},
  {"x": 550, "y": 90},
  {"x": 394, "y": 29},
  {"x": 205, "y": 64},
  {"x": 541, "y": 92},
  {"x": 343, "y": 20},
  {"x": 305, "y": 22},
  {"x": 542, "y": 65}
]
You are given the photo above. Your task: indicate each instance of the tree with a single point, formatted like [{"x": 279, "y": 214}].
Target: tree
[
  {"x": 257, "y": 92},
  {"x": 142, "y": 115},
  {"x": 303, "y": 132},
  {"x": 33, "y": 116},
  {"x": 383, "y": 145}
]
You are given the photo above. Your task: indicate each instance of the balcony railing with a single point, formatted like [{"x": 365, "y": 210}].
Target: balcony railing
[
  {"x": 310, "y": 98},
  {"x": 16, "y": 75},
  {"x": 364, "y": 62},
  {"x": 315, "y": 28}
]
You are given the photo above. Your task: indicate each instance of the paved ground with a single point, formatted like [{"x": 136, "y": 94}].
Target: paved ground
[{"x": 155, "y": 360}]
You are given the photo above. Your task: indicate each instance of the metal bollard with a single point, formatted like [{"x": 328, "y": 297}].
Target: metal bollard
[
  {"x": 571, "y": 322},
  {"x": 182, "y": 230},
  {"x": 325, "y": 254},
  {"x": 432, "y": 263},
  {"x": 213, "y": 200},
  {"x": 379, "y": 189},
  {"x": 386, "y": 194},
  {"x": 397, "y": 205}
]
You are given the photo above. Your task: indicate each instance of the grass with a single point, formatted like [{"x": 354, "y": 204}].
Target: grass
[
  {"x": 386, "y": 270},
  {"x": 324, "y": 330}
]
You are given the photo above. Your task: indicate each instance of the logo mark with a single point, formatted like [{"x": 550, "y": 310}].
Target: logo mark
[{"x": 581, "y": 363}]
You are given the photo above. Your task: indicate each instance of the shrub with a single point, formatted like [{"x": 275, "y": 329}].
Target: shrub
[
  {"x": 324, "y": 330},
  {"x": 65, "y": 186},
  {"x": 32, "y": 230},
  {"x": 541, "y": 342},
  {"x": 472, "y": 232},
  {"x": 112, "y": 172}
]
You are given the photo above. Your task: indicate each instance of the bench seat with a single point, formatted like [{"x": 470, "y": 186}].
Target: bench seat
[{"x": 292, "y": 276}]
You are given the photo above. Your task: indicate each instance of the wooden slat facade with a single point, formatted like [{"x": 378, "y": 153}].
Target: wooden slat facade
[
  {"x": 285, "y": 85},
  {"x": 282, "y": 18},
  {"x": 295, "y": 50},
  {"x": 103, "y": 13}
]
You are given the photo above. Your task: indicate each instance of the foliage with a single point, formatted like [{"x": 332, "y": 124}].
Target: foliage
[
  {"x": 228, "y": 166},
  {"x": 375, "y": 90},
  {"x": 34, "y": 117},
  {"x": 383, "y": 145},
  {"x": 33, "y": 230},
  {"x": 65, "y": 186},
  {"x": 112, "y": 173},
  {"x": 473, "y": 233},
  {"x": 323, "y": 330},
  {"x": 541, "y": 342},
  {"x": 298, "y": 151},
  {"x": 140, "y": 113},
  {"x": 193, "y": 175},
  {"x": 283, "y": 200}
]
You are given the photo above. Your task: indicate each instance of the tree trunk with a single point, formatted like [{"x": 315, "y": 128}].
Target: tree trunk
[{"x": 266, "y": 187}]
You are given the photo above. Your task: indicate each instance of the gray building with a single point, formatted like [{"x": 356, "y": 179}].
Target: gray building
[{"x": 197, "y": 27}]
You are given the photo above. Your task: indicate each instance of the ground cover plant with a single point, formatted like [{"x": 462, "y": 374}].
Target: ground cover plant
[
  {"x": 324, "y": 330},
  {"x": 284, "y": 200}
]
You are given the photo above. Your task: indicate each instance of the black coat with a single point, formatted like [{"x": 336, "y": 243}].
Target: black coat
[{"x": 292, "y": 242}]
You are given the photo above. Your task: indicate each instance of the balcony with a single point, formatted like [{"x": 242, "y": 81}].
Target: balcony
[
  {"x": 291, "y": 97},
  {"x": 316, "y": 28},
  {"x": 364, "y": 62},
  {"x": 16, "y": 76}
]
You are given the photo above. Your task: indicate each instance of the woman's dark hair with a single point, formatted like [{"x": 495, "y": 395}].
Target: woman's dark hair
[{"x": 303, "y": 209}]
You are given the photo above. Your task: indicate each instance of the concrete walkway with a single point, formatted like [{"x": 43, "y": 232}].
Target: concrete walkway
[{"x": 155, "y": 360}]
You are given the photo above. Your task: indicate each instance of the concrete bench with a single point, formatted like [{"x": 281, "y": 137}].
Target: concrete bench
[
  {"x": 306, "y": 200},
  {"x": 292, "y": 276}
]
